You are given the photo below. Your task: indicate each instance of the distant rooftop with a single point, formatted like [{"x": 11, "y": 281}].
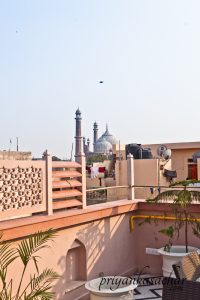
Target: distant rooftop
[
  {"x": 16, "y": 155},
  {"x": 181, "y": 145}
]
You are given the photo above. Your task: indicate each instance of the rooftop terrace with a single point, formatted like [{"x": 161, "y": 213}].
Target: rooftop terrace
[{"x": 38, "y": 195}]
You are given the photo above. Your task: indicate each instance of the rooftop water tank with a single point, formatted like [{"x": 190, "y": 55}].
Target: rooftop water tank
[{"x": 133, "y": 149}]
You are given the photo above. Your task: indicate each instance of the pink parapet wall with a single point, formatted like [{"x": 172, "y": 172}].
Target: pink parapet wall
[
  {"x": 40, "y": 186},
  {"x": 22, "y": 188},
  {"x": 82, "y": 252},
  {"x": 97, "y": 240}
]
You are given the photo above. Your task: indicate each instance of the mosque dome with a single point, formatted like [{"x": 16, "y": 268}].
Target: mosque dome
[
  {"x": 103, "y": 146},
  {"x": 109, "y": 137}
]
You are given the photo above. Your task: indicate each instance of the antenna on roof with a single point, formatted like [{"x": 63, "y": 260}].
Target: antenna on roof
[
  {"x": 72, "y": 151},
  {"x": 119, "y": 163},
  {"x": 10, "y": 143},
  {"x": 17, "y": 144}
]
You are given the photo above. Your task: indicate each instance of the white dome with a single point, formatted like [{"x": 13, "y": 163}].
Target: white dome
[
  {"x": 103, "y": 146},
  {"x": 108, "y": 137}
]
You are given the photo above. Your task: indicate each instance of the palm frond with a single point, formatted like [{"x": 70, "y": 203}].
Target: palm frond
[
  {"x": 1, "y": 236},
  {"x": 185, "y": 182},
  {"x": 40, "y": 295},
  {"x": 39, "y": 288},
  {"x": 7, "y": 256},
  {"x": 28, "y": 247},
  {"x": 184, "y": 198},
  {"x": 6, "y": 292},
  {"x": 40, "y": 285},
  {"x": 47, "y": 276},
  {"x": 195, "y": 195},
  {"x": 164, "y": 196},
  {"x": 3, "y": 295}
]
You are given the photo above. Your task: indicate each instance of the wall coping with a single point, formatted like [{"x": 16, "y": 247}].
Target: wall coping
[{"x": 19, "y": 228}]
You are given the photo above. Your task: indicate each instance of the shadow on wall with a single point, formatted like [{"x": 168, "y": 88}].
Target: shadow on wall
[
  {"x": 101, "y": 246},
  {"x": 74, "y": 268},
  {"x": 76, "y": 262},
  {"x": 108, "y": 246}
]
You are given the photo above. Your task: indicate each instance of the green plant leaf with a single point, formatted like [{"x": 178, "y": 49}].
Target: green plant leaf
[
  {"x": 41, "y": 284},
  {"x": 196, "y": 228},
  {"x": 165, "y": 196},
  {"x": 146, "y": 220},
  {"x": 7, "y": 256},
  {"x": 185, "y": 182},
  {"x": 184, "y": 198},
  {"x": 28, "y": 247},
  {"x": 179, "y": 198},
  {"x": 169, "y": 231}
]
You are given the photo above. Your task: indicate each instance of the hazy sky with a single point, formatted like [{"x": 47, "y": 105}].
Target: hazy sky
[{"x": 54, "y": 53}]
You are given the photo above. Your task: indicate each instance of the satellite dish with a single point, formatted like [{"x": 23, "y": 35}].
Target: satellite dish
[
  {"x": 167, "y": 154},
  {"x": 161, "y": 150}
]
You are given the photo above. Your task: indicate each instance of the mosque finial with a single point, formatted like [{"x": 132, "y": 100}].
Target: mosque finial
[{"x": 78, "y": 111}]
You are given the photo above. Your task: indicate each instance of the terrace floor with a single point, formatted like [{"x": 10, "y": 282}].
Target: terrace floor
[{"x": 150, "y": 287}]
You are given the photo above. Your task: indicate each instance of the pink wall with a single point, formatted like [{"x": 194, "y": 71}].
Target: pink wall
[
  {"x": 148, "y": 236},
  {"x": 22, "y": 188},
  {"x": 110, "y": 248}
]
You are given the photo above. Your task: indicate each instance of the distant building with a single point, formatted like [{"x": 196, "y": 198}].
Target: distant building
[
  {"x": 185, "y": 158},
  {"x": 16, "y": 155},
  {"x": 102, "y": 145}
]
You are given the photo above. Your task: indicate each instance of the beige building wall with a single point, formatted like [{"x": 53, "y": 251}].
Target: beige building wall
[
  {"x": 148, "y": 172},
  {"x": 119, "y": 151},
  {"x": 15, "y": 155},
  {"x": 92, "y": 182},
  {"x": 121, "y": 172},
  {"x": 145, "y": 174},
  {"x": 117, "y": 194},
  {"x": 180, "y": 162},
  {"x": 181, "y": 152}
]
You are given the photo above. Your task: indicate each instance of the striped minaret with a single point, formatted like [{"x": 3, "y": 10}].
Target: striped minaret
[
  {"x": 78, "y": 137},
  {"x": 95, "y": 137}
]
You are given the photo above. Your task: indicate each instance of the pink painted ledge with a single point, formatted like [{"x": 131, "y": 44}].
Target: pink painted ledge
[{"x": 17, "y": 228}]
